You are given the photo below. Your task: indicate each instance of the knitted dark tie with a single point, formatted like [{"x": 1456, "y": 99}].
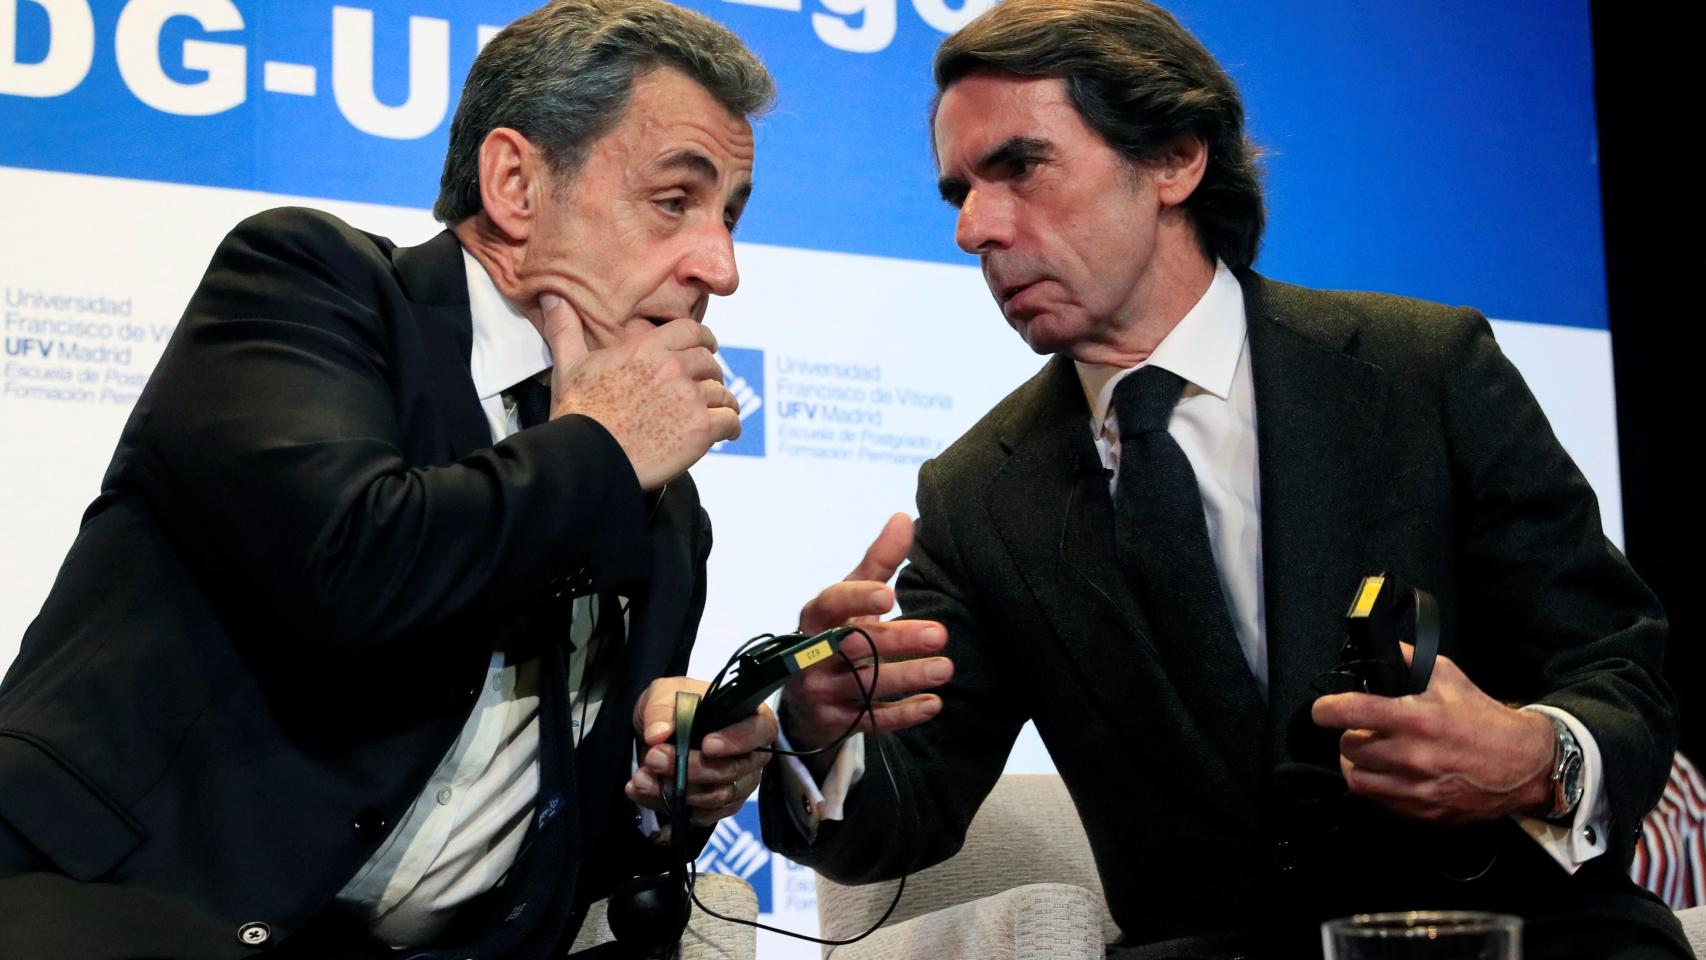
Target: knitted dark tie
[
  {"x": 1162, "y": 540},
  {"x": 532, "y": 402}
]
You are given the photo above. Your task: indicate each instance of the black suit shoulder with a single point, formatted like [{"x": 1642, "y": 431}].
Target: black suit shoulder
[
  {"x": 305, "y": 267},
  {"x": 309, "y": 238},
  {"x": 1442, "y": 361},
  {"x": 309, "y": 227},
  {"x": 1391, "y": 331}
]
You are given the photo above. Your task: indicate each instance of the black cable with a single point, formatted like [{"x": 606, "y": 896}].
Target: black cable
[
  {"x": 867, "y": 709},
  {"x": 693, "y": 875},
  {"x": 900, "y": 888}
]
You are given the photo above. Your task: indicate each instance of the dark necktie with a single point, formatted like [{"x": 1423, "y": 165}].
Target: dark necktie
[
  {"x": 532, "y": 402},
  {"x": 1162, "y": 539}
]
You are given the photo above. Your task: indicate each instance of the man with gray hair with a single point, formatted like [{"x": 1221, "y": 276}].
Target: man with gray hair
[
  {"x": 1149, "y": 549},
  {"x": 370, "y": 642}
]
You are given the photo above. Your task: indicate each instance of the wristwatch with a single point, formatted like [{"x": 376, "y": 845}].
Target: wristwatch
[{"x": 1566, "y": 772}]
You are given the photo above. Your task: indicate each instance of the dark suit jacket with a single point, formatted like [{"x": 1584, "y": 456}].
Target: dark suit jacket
[
  {"x": 1392, "y": 436},
  {"x": 275, "y": 618}
]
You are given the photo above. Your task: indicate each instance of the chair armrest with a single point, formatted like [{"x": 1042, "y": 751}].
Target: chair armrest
[
  {"x": 708, "y": 938},
  {"x": 1694, "y": 925},
  {"x": 1039, "y": 921}
]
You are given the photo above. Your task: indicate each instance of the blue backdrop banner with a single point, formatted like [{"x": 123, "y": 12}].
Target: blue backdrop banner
[{"x": 1443, "y": 150}]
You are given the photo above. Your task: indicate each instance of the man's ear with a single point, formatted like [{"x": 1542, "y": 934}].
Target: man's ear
[
  {"x": 512, "y": 175},
  {"x": 1179, "y": 169}
]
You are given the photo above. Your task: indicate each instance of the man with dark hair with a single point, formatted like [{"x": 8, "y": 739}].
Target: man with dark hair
[
  {"x": 1148, "y": 549},
  {"x": 396, "y": 567}
]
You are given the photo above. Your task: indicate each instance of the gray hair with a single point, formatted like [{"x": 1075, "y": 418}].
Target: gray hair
[{"x": 561, "y": 77}]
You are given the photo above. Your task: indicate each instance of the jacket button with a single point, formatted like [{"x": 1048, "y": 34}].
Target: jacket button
[
  {"x": 254, "y": 934},
  {"x": 370, "y": 825}
]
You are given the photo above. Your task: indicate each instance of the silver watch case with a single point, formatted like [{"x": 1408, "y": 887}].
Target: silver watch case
[{"x": 1566, "y": 772}]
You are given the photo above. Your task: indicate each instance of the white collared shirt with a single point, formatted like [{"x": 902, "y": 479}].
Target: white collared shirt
[{"x": 1214, "y": 424}]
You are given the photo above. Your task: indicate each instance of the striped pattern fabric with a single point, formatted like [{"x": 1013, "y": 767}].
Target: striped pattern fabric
[{"x": 1670, "y": 859}]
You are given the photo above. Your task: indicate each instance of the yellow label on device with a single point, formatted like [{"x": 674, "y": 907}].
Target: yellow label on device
[
  {"x": 1366, "y": 596},
  {"x": 812, "y": 654}
]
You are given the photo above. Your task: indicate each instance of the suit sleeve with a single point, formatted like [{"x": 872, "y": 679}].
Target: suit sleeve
[
  {"x": 921, "y": 786},
  {"x": 274, "y": 454},
  {"x": 1564, "y": 619}
]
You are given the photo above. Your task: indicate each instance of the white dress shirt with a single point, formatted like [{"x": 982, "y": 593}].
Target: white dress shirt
[
  {"x": 1214, "y": 424},
  {"x": 464, "y": 831}
]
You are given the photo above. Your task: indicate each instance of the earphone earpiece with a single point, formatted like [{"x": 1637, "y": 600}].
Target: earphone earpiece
[{"x": 649, "y": 914}]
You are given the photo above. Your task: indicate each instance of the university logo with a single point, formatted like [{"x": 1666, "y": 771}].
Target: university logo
[
  {"x": 734, "y": 849},
  {"x": 743, "y": 373}
]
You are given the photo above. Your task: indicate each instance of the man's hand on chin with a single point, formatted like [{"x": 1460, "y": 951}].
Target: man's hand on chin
[
  {"x": 660, "y": 393},
  {"x": 1450, "y": 754}
]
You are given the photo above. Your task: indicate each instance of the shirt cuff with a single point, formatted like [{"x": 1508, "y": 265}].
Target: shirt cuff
[
  {"x": 810, "y": 803},
  {"x": 1585, "y": 836}
]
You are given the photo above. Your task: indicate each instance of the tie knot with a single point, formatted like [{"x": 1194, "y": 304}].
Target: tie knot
[
  {"x": 532, "y": 402},
  {"x": 1144, "y": 400}
]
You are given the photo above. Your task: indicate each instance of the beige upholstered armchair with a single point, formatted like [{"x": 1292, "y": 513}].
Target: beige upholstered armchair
[
  {"x": 707, "y": 938},
  {"x": 1023, "y": 888}
]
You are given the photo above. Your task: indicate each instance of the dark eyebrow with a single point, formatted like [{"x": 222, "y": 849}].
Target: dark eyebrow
[
  {"x": 700, "y": 167},
  {"x": 953, "y": 189},
  {"x": 693, "y": 162},
  {"x": 1015, "y": 148}
]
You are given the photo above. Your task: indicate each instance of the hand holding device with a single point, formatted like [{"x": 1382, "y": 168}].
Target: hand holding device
[
  {"x": 756, "y": 673},
  {"x": 820, "y": 703},
  {"x": 1419, "y": 737},
  {"x": 718, "y": 777},
  {"x": 1372, "y": 660}
]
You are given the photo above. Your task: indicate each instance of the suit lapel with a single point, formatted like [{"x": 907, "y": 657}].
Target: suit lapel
[
  {"x": 432, "y": 277},
  {"x": 1319, "y": 414},
  {"x": 1050, "y": 504}
]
